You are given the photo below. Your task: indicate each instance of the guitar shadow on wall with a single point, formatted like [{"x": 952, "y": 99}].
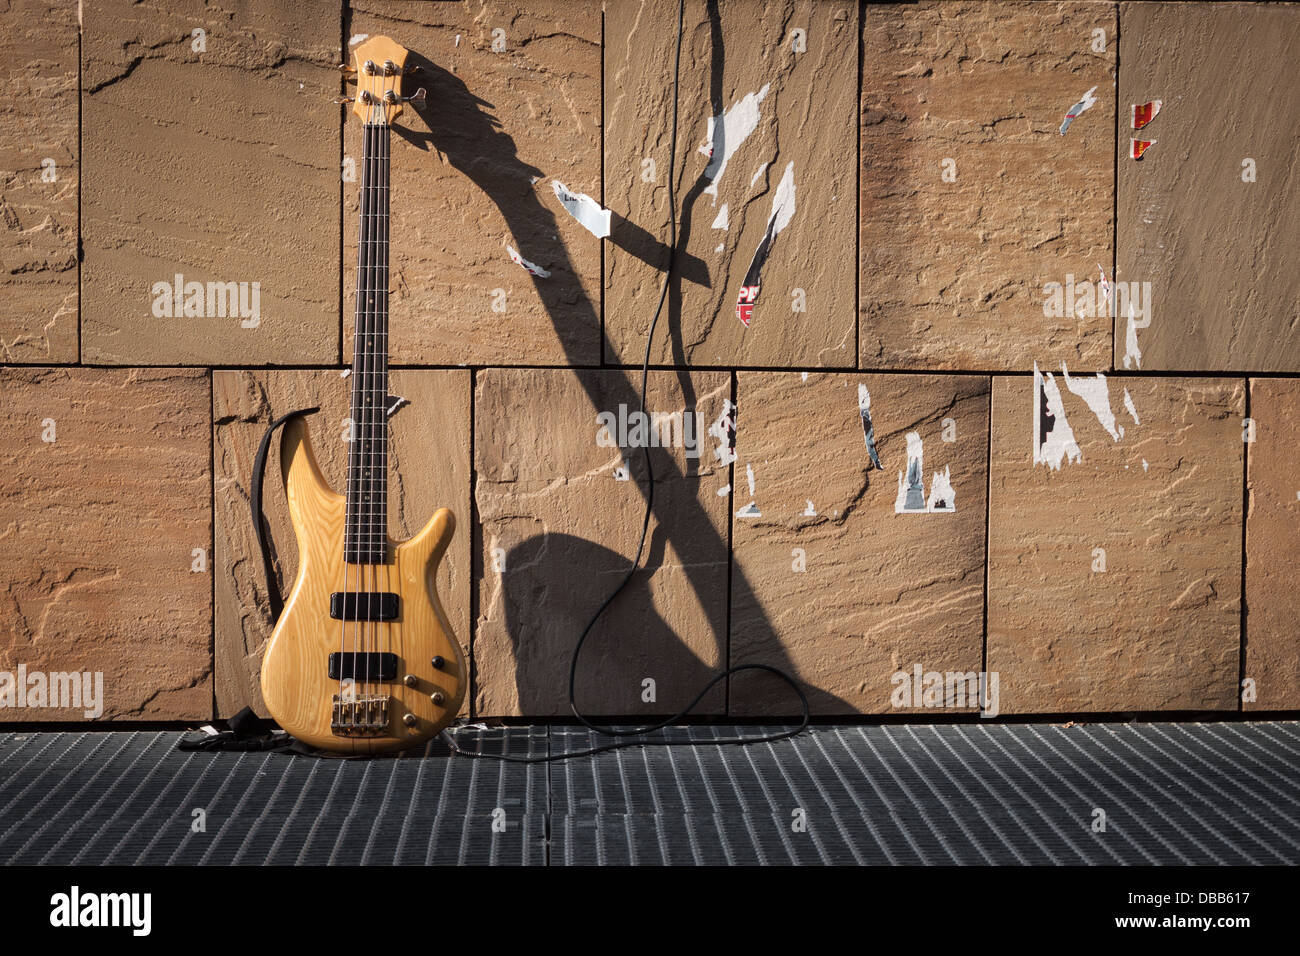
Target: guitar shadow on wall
[{"x": 463, "y": 129}]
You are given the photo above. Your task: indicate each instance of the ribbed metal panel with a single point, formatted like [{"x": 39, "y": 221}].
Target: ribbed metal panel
[{"x": 1212, "y": 793}]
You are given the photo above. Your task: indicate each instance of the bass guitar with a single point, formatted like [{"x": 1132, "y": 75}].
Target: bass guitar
[{"x": 363, "y": 658}]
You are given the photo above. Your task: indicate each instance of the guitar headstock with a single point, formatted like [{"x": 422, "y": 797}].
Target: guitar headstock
[{"x": 380, "y": 64}]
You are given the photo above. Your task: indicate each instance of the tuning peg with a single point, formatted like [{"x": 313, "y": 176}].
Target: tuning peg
[
  {"x": 340, "y": 102},
  {"x": 346, "y": 68},
  {"x": 417, "y": 98},
  {"x": 414, "y": 68}
]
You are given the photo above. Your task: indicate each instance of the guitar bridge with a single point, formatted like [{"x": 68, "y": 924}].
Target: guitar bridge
[{"x": 360, "y": 716}]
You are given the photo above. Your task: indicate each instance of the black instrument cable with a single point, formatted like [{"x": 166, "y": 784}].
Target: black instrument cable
[{"x": 640, "y": 548}]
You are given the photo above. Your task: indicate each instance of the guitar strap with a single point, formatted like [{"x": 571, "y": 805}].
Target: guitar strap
[{"x": 273, "y": 597}]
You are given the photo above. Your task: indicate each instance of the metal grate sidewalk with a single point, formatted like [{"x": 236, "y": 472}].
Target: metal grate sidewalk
[{"x": 1216, "y": 793}]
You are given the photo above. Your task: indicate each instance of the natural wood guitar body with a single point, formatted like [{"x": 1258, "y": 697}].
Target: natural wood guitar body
[{"x": 295, "y": 672}]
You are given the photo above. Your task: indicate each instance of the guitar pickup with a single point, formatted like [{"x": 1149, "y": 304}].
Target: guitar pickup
[
  {"x": 368, "y": 667},
  {"x": 363, "y": 606}
]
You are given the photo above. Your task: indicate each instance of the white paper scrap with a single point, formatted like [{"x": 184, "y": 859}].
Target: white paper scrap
[
  {"x": 1072, "y": 113},
  {"x": 532, "y": 268},
  {"x": 584, "y": 209}
]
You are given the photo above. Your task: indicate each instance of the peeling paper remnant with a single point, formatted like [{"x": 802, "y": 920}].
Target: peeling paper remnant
[
  {"x": 1132, "y": 354},
  {"x": 1104, "y": 285},
  {"x": 868, "y": 429},
  {"x": 1132, "y": 409},
  {"x": 393, "y": 403},
  {"x": 1073, "y": 112},
  {"x": 724, "y": 430},
  {"x": 532, "y": 268},
  {"x": 911, "y": 490},
  {"x": 1053, "y": 437},
  {"x": 726, "y": 133},
  {"x": 942, "y": 498},
  {"x": 358, "y": 38},
  {"x": 782, "y": 212},
  {"x": 1096, "y": 393},
  {"x": 584, "y": 209},
  {"x": 720, "y": 220},
  {"x": 1140, "y": 146},
  {"x": 1145, "y": 113},
  {"x": 750, "y": 510}
]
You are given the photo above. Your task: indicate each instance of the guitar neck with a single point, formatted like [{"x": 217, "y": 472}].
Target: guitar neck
[{"x": 366, "y": 538}]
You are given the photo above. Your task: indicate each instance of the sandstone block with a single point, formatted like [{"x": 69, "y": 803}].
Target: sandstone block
[
  {"x": 212, "y": 154},
  {"x": 1210, "y": 216},
  {"x": 513, "y": 107},
  {"x": 972, "y": 200},
  {"x": 559, "y": 529},
  {"x": 1115, "y": 580},
  {"x": 39, "y": 170},
  {"x": 765, "y": 145},
  {"x": 830, "y": 580},
  {"x": 106, "y": 537},
  {"x": 428, "y": 469},
  {"x": 1273, "y": 545}
]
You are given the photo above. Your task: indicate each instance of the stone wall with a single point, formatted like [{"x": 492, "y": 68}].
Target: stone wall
[{"x": 940, "y": 445}]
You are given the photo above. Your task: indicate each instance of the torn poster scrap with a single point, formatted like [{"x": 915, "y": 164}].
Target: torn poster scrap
[
  {"x": 750, "y": 510},
  {"x": 532, "y": 268},
  {"x": 782, "y": 212},
  {"x": 724, "y": 430},
  {"x": 868, "y": 429},
  {"x": 911, "y": 489},
  {"x": 1145, "y": 113},
  {"x": 584, "y": 209},
  {"x": 911, "y": 493},
  {"x": 1105, "y": 288},
  {"x": 394, "y": 402},
  {"x": 1140, "y": 146},
  {"x": 1087, "y": 102},
  {"x": 1132, "y": 409},
  {"x": 726, "y": 133},
  {"x": 1053, "y": 437},
  {"x": 1132, "y": 354},
  {"x": 942, "y": 498},
  {"x": 1096, "y": 394}
]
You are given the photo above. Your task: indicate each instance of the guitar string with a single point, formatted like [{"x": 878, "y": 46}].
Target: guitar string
[
  {"x": 367, "y": 555},
  {"x": 348, "y": 536},
  {"x": 379, "y": 391},
  {"x": 363, "y": 518},
  {"x": 365, "y": 508},
  {"x": 374, "y": 405},
  {"x": 386, "y": 171}
]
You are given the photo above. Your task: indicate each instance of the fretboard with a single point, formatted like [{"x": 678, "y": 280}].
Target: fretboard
[{"x": 366, "y": 538}]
